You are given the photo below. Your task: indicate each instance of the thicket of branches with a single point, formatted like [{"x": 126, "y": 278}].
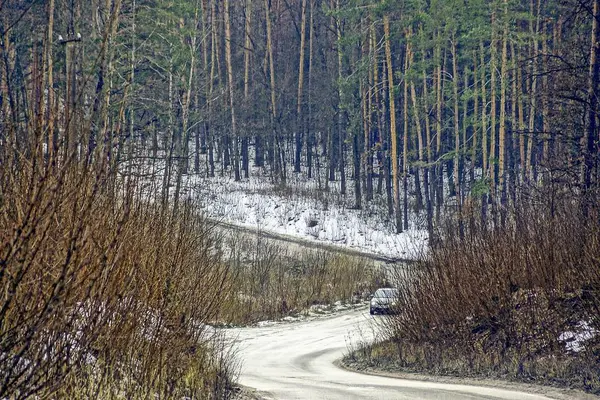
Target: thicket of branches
[
  {"x": 272, "y": 281},
  {"x": 518, "y": 303},
  {"x": 103, "y": 295},
  {"x": 105, "y": 292}
]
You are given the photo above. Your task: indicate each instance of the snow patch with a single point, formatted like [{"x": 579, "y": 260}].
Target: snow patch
[{"x": 575, "y": 340}]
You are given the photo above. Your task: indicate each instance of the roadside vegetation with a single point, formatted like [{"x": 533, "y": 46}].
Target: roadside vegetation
[
  {"x": 274, "y": 280},
  {"x": 518, "y": 303},
  {"x": 103, "y": 295},
  {"x": 106, "y": 290}
]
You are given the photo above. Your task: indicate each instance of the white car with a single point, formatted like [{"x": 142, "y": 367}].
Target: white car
[{"x": 384, "y": 300}]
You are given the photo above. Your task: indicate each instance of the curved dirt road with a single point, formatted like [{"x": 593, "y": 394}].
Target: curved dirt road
[{"x": 295, "y": 361}]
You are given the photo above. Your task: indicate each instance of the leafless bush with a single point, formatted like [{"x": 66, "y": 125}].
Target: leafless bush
[
  {"x": 499, "y": 301},
  {"x": 273, "y": 281},
  {"x": 103, "y": 294}
]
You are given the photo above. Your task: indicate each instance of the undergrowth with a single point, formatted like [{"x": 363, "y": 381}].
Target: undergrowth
[
  {"x": 271, "y": 280},
  {"x": 104, "y": 295},
  {"x": 518, "y": 302}
]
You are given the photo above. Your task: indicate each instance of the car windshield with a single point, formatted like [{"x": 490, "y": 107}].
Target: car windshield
[{"x": 386, "y": 293}]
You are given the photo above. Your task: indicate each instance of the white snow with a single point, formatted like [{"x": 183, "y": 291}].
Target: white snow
[
  {"x": 303, "y": 212},
  {"x": 315, "y": 312},
  {"x": 575, "y": 341}
]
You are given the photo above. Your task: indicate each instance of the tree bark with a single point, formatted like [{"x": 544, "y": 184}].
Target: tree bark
[
  {"x": 279, "y": 173},
  {"x": 299, "y": 116},
  {"x": 247, "y": 58},
  {"x": 393, "y": 134},
  {"x": 234, "y": 133}
]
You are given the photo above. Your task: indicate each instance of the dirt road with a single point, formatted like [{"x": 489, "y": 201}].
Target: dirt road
[{"x": 296, "y": 361}]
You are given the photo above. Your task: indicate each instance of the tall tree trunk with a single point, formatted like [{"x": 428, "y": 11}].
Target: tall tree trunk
[
  {"x": 52, "y": 133},
  {"x": 214, "y": 61},
  {"x": 234, "y": 133},
  {"x": 419, "y": 135},
  {"x": 521, "y": 112},
  {"x": 183, "y": 163},
  {"x": 533, "y": 90},
  {"x": 277, "y": 166},
  {"x": 130, "y": 142},
  {"x": 426, "y": 177},
  {"x": 386, "y": 173},
  {"x": 455, "y": 82},
  {"x": 247, "y": 48},
  {"x": 341, "y": 106},
  {"x": 377, "y": 108},
  {"x": 514, "y": 161},
  {"x": 247, "y": 58},
  {"x": 393, "y": 134},
  {"x": 502, "y": 123},
  {"x": 466, "y": 125},
  {"x": 484, "y": 134},
  {"x": 309, "y": 131},
  {"x": 474, "y": 143},
  {"x": 439, "y": 174},
  {"x": 545, "y": 98},
  {"x": 405, "y": 136},
  {"x": 299, "y": 116},
  {"x": 169, "y": 142},
  {"x": 357, "y": 180},
  {"x": 493, "y": 105},
  {"x": 368, "y": 51}
]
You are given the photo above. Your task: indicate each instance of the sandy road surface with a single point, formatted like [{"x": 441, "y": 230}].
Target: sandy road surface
[{"x": 295, "y": 361}]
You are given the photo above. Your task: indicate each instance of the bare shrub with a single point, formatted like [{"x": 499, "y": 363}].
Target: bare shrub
[
  {"x": 272, "y": 281},
  {"x": 498, "y": 301},
  {"x": 104, "y": 294}
]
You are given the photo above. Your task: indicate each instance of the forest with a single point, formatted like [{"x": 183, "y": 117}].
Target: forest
[
  {"x": 461, "y": 105},
  {"x": 480, "y": 115}
]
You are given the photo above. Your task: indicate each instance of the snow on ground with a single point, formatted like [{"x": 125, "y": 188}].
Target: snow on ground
[
  {"x": 316, "y": 311},
  {"x": 304, "y": 212},
  {"x": 575, "y": 341}
]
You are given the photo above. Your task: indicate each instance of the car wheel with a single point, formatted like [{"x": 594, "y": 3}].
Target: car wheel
[{"x": 371, "y": 311}]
